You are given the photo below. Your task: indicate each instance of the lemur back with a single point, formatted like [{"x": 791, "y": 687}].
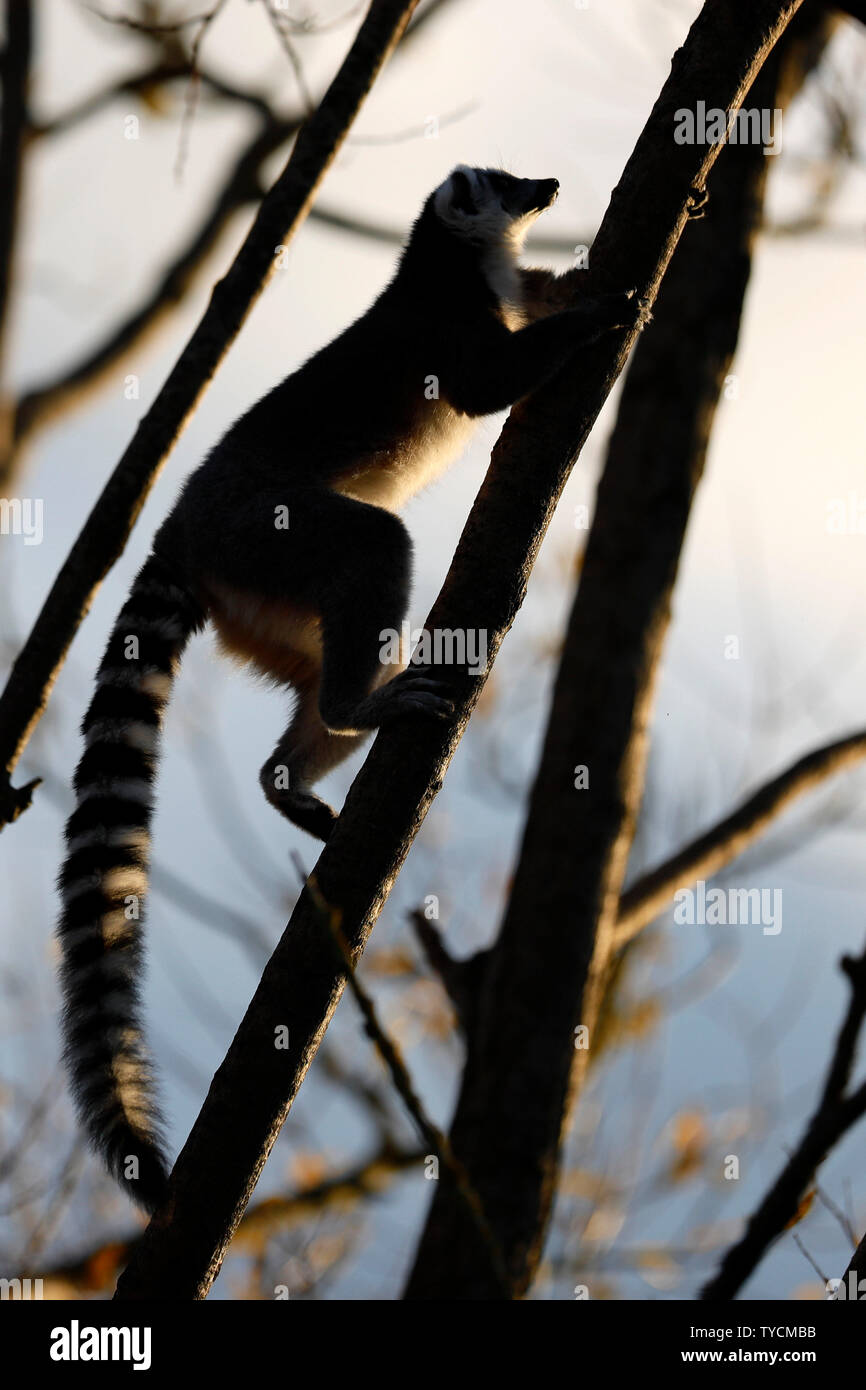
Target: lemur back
[{"x": 287, "y": 540}]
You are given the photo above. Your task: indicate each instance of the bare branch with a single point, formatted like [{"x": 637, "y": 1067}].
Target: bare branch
[
  {"x": 281, "y": 25},
  {"x": 199, "y": 22},
  {"x": 137, "y": 84},
  {"x": 192, "y": 88},
  {"x": 69, "y": 388},
  {"x": 728, "y": 838},
  {"x": 462, "y": 979},
  {"x": 402, "y": 1081},
  {"x": 836, "y": 1112},
  {"x": 415, "y": 132}
]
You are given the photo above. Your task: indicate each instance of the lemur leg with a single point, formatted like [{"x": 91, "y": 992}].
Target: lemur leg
[
  {"x": 364, "y": 683},
  {"x": 306, "y": 752},
  {"x": 344, "y": 566}
]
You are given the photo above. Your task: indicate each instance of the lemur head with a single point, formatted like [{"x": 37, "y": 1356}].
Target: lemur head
[{"x": 490, "y": 208}]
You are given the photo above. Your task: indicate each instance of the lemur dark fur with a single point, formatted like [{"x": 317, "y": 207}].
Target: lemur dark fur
[{"x": 341, "y": 444}]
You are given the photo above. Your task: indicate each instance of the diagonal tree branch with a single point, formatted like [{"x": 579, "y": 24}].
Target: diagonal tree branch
[
  {"x": 255, "y": 1086},
  {"x": 69, "y": 388},
  {"x": 728, "y": 838},
  {"x": 140, "y": 83},
  {"x": 107, "y": 528},
  {"x": 53, "y": 397},
  {"x": 836, "y": 1112}
]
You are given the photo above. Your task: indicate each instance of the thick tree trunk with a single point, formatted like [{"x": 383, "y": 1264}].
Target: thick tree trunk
[{"x": 547, "y": 970}]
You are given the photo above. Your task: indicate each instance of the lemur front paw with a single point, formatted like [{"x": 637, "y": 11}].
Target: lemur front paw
[
  {"x": 618, "y": 309},
  {"x": 631, "y": 310},
  {"x": 413, "y": 692}
]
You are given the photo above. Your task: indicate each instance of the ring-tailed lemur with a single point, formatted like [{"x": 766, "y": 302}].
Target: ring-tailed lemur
[{"x": 333, "y": 450}]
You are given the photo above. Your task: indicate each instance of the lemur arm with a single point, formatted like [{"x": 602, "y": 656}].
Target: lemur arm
[
  {"x": 493, "y": 367},
  {"x": 545, "y": 293}
]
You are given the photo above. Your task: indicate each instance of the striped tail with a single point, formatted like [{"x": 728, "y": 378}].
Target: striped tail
[{"x": 104, "y": 880}]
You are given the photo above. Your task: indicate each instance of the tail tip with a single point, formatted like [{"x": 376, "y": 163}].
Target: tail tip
[{"x": 141, "y": 1170}]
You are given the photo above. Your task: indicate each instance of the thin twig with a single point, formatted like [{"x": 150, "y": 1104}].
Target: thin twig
[
  {"x": 192, "y": 90},
  {"x": 157, "y": 29},
  {"x": 438, "y": 1141},
  {"x": 280, "y": 26},
  {"x": 143, "y": 80},
  {"x": 96, "y": 1270},
  {"x": 45, "y": 401},
  {"x": 416, "y": 132},
  {"x": 805, "y": 1253},
  {"x": 836, "y": 1211}
]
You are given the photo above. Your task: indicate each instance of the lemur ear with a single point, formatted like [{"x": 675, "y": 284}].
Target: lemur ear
[{"x": 461, "y": 193}]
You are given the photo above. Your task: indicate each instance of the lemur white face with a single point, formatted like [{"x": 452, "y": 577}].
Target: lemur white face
[{"x": 490, "y": 206}]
